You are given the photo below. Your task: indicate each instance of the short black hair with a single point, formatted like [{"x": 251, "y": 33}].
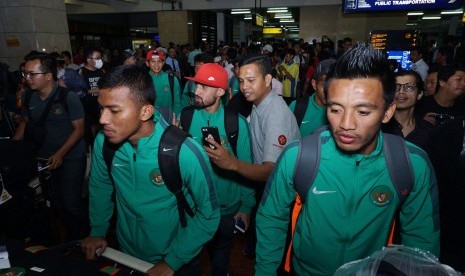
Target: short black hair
[
  {"x": 66, "y": 53},
  {"x": 447, "y": 71},
  {"x": 48, "y": 63},
  {"x": 363, "y": 61},
  {"x": 203, "y": 57},
  {"x": 263, "y": 63},
  {"x": 90, "y": 52},
  {"x": 418, "y": 80},
  {"x": 138, "y": 81}
]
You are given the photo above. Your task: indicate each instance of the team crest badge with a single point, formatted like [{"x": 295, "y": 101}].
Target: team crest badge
[
  {"x": 282, "y": 140},
  {"x": 381, "y": 195},
  {"x": 155, "y": 177}
]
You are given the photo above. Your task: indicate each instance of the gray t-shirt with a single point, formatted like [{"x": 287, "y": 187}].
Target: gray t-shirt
[
  {"x": 58, "y": 121},
  {"x": 273, "y": 126}
]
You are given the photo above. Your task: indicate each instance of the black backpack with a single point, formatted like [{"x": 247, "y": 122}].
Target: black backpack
[
  {"x": 171, "y": 138},
  {"x": 301, "y": 105},
  {"x": 231, "y": 123},
  {"x": 398, "y": 164},
  {"x": 396, "y": 155}
]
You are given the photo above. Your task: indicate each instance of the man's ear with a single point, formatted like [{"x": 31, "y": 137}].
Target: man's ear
[
  {"x": 220, "y": 92},
  {"x": 146, "y": 112},
  {"x": 389, "y": 113},
  {"x": 268, "y": 79},
  {"x": 314, "y": 84}
]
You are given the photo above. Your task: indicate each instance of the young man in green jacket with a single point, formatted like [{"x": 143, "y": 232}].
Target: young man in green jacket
[
  {"x": 349, "y": 210},
  {"x": 166, "y": 96},
  {"x": 235, "y": 197},
  {"x": 148, "y": 225}
]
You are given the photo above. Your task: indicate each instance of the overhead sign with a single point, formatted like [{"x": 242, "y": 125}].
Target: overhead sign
[
  {"x": 354, "y": 6},
  {"x": 272, "y": 30}
]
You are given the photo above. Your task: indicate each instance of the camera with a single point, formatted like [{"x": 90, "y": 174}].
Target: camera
[{"x": 442, "y": 118}]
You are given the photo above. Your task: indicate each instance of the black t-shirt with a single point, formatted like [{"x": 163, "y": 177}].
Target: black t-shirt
[
  {"x": 419, "y": 136},
  {"x": 429, "y": 104}
]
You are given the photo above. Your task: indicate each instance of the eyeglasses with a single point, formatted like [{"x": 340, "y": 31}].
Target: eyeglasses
[
  {"x": 407, "y": 87},
  {"x": 28, "y": 75}
]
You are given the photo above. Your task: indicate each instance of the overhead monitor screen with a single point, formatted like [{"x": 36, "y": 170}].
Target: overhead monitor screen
[
  {"x": 356, "y": 6},
  {"x": 402, "y": 58},
  {"x": 393, "y": 39}
]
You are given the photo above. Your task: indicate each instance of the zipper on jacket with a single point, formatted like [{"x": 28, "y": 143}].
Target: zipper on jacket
[{"x": 134, "y": 157}]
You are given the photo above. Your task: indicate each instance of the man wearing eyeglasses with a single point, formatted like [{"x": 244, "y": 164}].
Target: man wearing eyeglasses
[{"x": 63, "y": 145}]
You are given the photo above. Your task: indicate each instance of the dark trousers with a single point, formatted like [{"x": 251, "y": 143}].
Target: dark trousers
[
  {"x": 192, "y": 268},
  {"x": 67, "y": 182},
  {"x": 219, "y": 247}
]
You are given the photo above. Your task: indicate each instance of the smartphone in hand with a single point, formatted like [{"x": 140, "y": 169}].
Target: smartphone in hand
[
  {"x": 210, "y": 133},
  {"x": 240, "y": 226}
]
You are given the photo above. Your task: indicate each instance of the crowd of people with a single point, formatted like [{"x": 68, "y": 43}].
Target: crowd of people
[{"x": 261, "y": 105}]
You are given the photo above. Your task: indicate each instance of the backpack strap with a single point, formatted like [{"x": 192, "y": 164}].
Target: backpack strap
[
  {"x": 166, "y": 114},
  {"x": 306, "y": 169},
  {"x": 168, "y": 159},
  {"x": 108, "y": 153},
  {"x": 301, "y": 105},
  {"x": 231, "y": 123},
  {"x": 171, "y": 81},
  {"x": 190, "y": 85},
  {"x": 398, "y": 164},
  {"x": 187, "y": 113},
  {"x": 308, "y": 161},
  {"x": 63, "y": 98}
]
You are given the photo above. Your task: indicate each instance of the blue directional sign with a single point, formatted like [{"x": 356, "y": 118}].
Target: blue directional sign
[{"x": 357, "y": 6}]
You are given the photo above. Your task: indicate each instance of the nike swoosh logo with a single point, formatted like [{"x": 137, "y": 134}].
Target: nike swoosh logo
[
  {"x": 232, "y": 136},
  {"x": 32, "y": 107},
  {"x": 316, "y": 192},
  {"x": 118, "y": 165},
  {"x": 165, "y": 149},
  {"x": 304, "y": 122}
]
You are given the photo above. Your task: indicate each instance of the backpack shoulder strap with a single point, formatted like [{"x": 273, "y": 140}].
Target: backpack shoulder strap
[
  {"x": 168, "y": 158},
  {"x": 27, "y": 100},
  {"x": 187, "y": 113},
  {"x": 63, "y": 98},
  {"x": 171, "y": 81},
  {"x": 108, "y": 153},
  {"x": 308, "y": 161},
  {"x": 399, "y": 166},
  {"x": 301, "y": 105},
  {"x": 165, "y": 114},
  {"x": 231, "y": 123}
]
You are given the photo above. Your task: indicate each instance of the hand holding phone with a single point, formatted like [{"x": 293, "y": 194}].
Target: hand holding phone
[
  {"x": 210, "y": 133},
  {"x": 240, "y": 226}
]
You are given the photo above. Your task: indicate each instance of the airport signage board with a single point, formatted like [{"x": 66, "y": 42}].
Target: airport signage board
[{"x": 359, "y": 6}]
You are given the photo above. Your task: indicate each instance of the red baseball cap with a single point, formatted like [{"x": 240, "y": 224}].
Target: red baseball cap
[
  {"x": 211, "y": 74},
  {"x": 154, "y": 54}
]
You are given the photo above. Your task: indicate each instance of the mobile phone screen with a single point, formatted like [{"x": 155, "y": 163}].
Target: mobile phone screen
[{"x": 210, "y": 133}]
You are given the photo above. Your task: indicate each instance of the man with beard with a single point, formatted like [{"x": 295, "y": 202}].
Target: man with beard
[{"x": 235, "y": 198}]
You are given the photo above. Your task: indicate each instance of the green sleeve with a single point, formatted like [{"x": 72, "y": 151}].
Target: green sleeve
[
  {"x": 419, "y": 216},
  {"x": 244, "y": 152},
  {"x": 100, "y": 192},
  {"x": 274, "y": 213},
  {"x": 292, "y": 106},
  {"x": 197, "y": 174},
  {"x": 177, "y": 97}
]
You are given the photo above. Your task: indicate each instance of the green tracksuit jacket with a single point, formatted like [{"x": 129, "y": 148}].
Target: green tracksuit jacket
[
  {"x": 232, "y": 192},
  {"x": 348, "y": 212},
  {"x": 315, "y": 116},
  {"x": 163, "y": 92},
  {"x": 148, "y": 224}
]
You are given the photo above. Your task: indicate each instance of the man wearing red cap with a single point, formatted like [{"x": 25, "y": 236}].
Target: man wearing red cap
[
  {"x": 234, "y": 197},
  {"x": 167, "y": 95}
]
